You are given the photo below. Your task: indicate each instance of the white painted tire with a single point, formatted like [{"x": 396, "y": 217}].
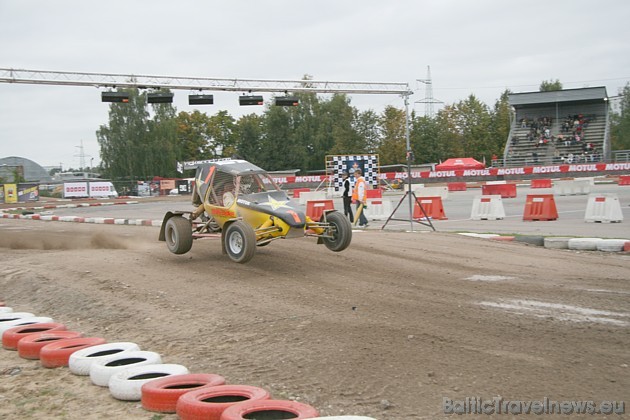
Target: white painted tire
[
  {"x": 584, "y": 244},
  {"x": 5, "y": 309},
  {"x": 611, "y": 245},
  {"x": 557, "y": 242},
  {"x": 11, "y": 316},
  {"x": 126, "y": 385},
  {"x": 103, "y": 369},
  {"x": 81, "y": 360},
  {"x": 27, "y": 321}
]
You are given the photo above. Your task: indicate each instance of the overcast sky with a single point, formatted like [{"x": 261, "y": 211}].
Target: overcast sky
[{"x": 476, "y": 47}]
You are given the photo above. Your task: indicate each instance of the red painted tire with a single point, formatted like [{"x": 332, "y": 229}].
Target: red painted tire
[
  {"x": 11, "y": 336},
  {"x": 161, "y": 394},
  {"x": 269, "y": 409},
  {"x": 30, "y": 346},
  {"x": 209, "y": 403},
  {"x": 57, "y": 354}
]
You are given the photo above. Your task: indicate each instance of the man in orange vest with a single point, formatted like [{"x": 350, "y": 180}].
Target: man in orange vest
[{"x": 359, "y": 196}]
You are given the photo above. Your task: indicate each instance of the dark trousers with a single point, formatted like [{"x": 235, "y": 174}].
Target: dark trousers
[
  {"x": 347, "y": 208},
  {"x": 362, "y": 219}
]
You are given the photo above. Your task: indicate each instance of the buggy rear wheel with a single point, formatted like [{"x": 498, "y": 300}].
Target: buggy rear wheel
[
  {"x": 178, "y": 235},
  {"x": 240, "y": 242},
  {"x": 340, "y": 231}
]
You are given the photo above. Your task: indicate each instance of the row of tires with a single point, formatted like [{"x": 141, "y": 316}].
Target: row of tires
[{"x": 132, "y": 374}]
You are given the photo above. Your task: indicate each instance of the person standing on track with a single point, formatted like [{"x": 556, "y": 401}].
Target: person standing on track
[
  {"x": 347, "y": 197},
  {"x": 359, "y": 196}
]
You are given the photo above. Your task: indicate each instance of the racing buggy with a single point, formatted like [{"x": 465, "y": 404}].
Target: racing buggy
[{"x": 240, "y": 202}]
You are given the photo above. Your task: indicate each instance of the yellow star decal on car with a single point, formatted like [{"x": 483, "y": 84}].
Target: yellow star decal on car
[{"x": 275, "y": 204}]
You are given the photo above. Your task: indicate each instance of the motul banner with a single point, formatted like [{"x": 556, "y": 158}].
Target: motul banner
[{"x": 476, "y": 173}]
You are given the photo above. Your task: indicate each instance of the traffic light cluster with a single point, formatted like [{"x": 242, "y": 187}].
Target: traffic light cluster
[{"x": 167, "y": 98}]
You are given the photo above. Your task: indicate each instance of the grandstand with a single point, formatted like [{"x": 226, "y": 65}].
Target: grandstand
[{"x": 565, "y": 126}]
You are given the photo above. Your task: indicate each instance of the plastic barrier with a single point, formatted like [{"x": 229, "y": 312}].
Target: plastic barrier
[
  {"x": 603, "y": 208},
  {"x": 378, "y": 209},
  {"x": 315, "y": 208},
  {"x": 456, "y": 186},
  {"x": 541, "y": 183},
  {"x": 298, "y": 191},
  {"x": 624, "y": 180},
  {"x": 540, "y": 207},
  {"x": 432, "y": 207},
  {"x": 374, "y": 193},
  {"x": 312, "y": 196},
  {"x": 487, "y": 207},
  {"x": 504, "y": 190},
  {"x": 441, "y": 192},
  {"x": 572, "y": 187}
]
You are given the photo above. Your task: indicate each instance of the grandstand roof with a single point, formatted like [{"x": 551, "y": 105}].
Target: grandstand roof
[{"x": 566, "y": 95}]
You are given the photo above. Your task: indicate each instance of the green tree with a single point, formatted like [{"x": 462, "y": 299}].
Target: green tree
[
  {"x": 425, "y": 140},
  {"x": 122, "y": 140},
  {"x": 620, "y": 131},
  {"x": 192, "y": 135},
  {"x": 366, "y": 125},
  {"x": 550, "y": 85},
  {"x": 393, "y": 148},
  {"x": 248, "y": 134},
  {"x": 221, "y": 140},
  {"x": 499, "y": 126}
]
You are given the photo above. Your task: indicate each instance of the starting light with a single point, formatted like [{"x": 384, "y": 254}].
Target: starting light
[
  {"x": 115, "y": 97},
  {"x": 200, "y": 99},
  {"x": 250, "y": 100},
  {"x": 287, "y": 101},
  {"x": 160, "y": 98}
]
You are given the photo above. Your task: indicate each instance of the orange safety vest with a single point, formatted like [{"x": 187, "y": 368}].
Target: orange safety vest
[{"x": 359, "y": 188}]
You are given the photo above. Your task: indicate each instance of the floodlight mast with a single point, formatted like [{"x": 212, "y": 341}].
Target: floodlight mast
[{"x": 112, "y": 80}]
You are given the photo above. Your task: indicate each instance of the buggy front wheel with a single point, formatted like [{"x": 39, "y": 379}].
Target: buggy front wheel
[
  {"x": 178, "y": 235},
  {"x": 339, "y": 232},
  {"x": 240, "y": 242}
]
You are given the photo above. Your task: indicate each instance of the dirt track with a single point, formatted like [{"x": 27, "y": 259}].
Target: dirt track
[{"x": 385, "y": 329}]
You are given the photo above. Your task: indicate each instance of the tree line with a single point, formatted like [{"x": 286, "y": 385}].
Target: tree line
[{"x": 140, "y": 143}]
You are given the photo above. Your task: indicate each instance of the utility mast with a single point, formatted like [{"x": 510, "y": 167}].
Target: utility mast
[
  {"x": 428, "y": 100},
  {"x": 81, "y": 156}
]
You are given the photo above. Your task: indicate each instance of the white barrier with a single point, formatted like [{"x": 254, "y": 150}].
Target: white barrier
[
  {"x": 487, "y": 207},
  {"x": 603, "y": 208},
  {"x": 378, "y": 209},
  {"x": 312, "y": 196},
  {"x": 572, "y": 187},
  {"x": 441, "y": 192}
]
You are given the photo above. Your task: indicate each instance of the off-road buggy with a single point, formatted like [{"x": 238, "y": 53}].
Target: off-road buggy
[{"x": 240, "y": 202}]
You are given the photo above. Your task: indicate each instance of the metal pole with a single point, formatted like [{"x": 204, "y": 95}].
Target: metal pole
[{"x": 406, "y": 95}]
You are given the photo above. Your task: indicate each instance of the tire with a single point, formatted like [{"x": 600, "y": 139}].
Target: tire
[
  {"x": 557, "y": 242},
  {"x": 178, "y": 235},
  {"x": 58, "y": 354},
  {"x": 269, "y": 409},
  {"x": 210, "y": 403},
  {"x": 584, "y": 244},
  {"x": 161, "y": 395},
  {"x": 29, "y": 347},
  {"x": 4, "y": 326},
  {"x": 342, "y": 234},
  {"x": 611, "y": 245},
  {"x": 12, "y": 316},
  {"x": 81, "y": 360},
  {"x": 127, "y": 384},
  {"x": 530, "y": 239},
  {"x": 12, "y": 336},
  {"x": 103, "y": 369},
  {"x": 240, "y": 242}
]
